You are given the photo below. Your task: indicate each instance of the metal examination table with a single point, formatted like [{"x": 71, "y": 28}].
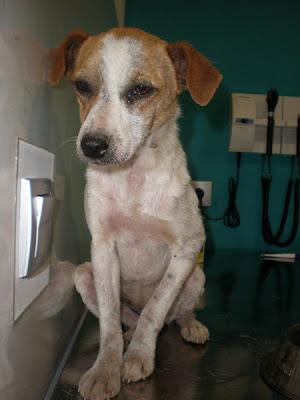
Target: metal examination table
[{"x": 249, "y": 304}]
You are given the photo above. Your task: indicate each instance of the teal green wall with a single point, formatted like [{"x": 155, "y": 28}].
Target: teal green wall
[{"x": 256, "y": 46}]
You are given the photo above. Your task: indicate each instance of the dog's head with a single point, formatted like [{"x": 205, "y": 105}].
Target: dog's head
[{"x": 127, "y": 82}]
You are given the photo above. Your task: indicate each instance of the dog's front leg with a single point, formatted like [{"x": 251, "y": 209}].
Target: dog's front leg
[
  {"x": 103, "y": 380},
  {"x": 138, "y": 360}
]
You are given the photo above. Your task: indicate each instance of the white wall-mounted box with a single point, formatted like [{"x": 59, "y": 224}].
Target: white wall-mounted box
[
  {"x": 249, "y": 122},
  {"x": 291, "y": 111}
]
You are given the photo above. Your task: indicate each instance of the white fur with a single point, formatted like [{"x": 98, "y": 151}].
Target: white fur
[
  {"x": 126, "y": 129},
  {"x": 145, "y": 226}
]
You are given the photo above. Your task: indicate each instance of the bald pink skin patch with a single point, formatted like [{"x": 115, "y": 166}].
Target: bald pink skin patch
[
  {"x": 135, "y": 179},
  {"x": 139, "y": 227}
]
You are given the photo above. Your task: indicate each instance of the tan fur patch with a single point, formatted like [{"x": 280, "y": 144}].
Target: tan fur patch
[{"x": 154, "y": 66}]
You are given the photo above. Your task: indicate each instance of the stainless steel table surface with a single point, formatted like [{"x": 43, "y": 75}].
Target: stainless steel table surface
[{"x": 249, "y": 304}]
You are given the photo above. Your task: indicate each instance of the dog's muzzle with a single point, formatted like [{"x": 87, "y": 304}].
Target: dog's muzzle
[{"x": 94, "y": 147}]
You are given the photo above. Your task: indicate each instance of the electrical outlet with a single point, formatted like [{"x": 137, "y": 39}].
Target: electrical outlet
[{"x": 206, "y": 186}]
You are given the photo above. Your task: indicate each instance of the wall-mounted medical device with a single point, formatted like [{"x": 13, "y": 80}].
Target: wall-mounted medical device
[
  {"x": 35, "y": 225},
  {"x": 249, "y": 122}
]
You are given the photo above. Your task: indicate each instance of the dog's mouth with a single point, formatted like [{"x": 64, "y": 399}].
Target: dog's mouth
[
  {"x": 92, "y": 153},
  {"x": 109, "y": 159}
]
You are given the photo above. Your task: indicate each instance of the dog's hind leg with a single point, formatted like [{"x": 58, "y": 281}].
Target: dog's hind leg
[
  {"x": 182, "y": 311},
  {"x": 192, "y": 330}
]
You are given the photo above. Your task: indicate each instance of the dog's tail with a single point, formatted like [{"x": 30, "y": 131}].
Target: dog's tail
[{"x": 59, "y": 291}]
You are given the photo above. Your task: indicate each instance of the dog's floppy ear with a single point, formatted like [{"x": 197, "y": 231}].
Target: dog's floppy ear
[
  {"x": 194, "y": 72},
  {"x": 62, "y": 57}
]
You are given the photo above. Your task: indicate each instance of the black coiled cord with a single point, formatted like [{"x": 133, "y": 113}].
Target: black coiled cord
[
  {"x": 266, "y": 178},
  {"x": 231, "y": 217},
  {"x": 269, "y": 236}
]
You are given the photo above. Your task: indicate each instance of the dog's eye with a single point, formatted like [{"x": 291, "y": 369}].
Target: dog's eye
[
  {"x": 83, "y": 87},
  {"x": 138, "y": 92}
]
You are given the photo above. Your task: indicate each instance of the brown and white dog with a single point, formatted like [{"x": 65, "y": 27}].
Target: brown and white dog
[{"x": 141, "y": 210}]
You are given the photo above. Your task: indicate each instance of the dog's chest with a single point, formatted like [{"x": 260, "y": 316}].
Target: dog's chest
[
  {"x": 137, "y": 196},
  {"x": 133, "y": 214},
  {"x": 130, "y": 203},
  {"x": 132, "y": 208},
  {"x": 142, "y": 260}
]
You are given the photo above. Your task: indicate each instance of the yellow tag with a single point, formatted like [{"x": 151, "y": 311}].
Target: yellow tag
[{"x": 200, "y": 256}]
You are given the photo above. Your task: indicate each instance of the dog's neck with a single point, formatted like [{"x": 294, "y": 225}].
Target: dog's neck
[{"x": 157, "y": 146}]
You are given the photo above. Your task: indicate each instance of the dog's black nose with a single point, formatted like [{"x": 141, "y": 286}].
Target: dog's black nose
[{"x": 94, "y": 146}]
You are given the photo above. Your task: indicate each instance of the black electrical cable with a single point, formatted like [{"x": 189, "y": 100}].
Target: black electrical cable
[
  {"x": 266, "y": 178},
  {"x": 269, "y": 236},
  {"x": 231, "y": 217}
]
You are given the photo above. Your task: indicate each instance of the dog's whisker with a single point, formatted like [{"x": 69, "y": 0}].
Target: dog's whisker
[
  {"x": 71, "y": 139},
  {"x": 74, "y": 154}
]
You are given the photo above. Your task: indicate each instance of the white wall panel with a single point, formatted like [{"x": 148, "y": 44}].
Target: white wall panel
[{"x": 31, "y": 348}]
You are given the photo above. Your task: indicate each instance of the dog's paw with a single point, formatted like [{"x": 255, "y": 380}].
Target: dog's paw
[
  {"x": 137, "y": 365},
  {"x": 100, "y": 383},
  {"x": 193, "y": 331}
]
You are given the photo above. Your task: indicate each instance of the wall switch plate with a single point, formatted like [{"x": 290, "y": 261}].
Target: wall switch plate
[
  {"x": 33, "y": 162},
  {"x": 206, "y": 186}
]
